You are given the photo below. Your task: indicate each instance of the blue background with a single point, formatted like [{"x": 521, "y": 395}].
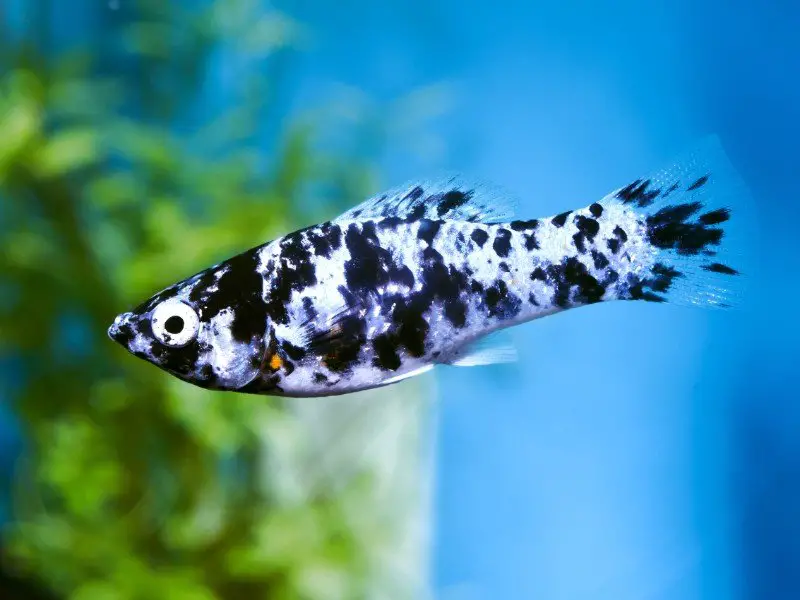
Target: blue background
[{"x": 636, "y": 451}]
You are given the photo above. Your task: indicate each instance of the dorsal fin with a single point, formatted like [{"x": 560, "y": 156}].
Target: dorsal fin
[{"x": 452, "y": 198}]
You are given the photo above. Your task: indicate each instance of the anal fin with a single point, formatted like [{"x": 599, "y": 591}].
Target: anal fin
[
  {"x": 414, "y": 373},
  {"x": 496, "y": 348}
]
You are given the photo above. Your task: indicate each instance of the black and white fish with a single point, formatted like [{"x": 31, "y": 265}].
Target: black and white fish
[{"x": 424, "y": 274}]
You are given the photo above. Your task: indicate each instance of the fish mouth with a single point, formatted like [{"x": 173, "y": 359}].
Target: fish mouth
[{"x": 121, "y": 330}]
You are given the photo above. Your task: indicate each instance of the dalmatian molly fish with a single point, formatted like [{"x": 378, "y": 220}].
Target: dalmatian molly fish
[{"x": 427, "y": 273}]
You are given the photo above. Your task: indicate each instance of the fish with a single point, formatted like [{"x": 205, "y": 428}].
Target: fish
[{"x": 433, "y": 273}]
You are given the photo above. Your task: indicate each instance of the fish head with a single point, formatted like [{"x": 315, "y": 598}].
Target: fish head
[{"x": 208, "y": 330}]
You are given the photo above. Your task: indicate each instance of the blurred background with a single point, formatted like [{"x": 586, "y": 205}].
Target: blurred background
[{"x": 635, "y": 452}]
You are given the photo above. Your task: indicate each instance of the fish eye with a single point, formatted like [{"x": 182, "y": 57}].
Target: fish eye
[{"x": 174, "y": 323}]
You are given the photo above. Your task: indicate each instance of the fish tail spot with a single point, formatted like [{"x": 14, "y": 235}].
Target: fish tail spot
[{"x": 696, "y": 217}]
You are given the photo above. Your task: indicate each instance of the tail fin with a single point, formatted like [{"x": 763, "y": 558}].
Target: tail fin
[{"x": 694, "y": 217}]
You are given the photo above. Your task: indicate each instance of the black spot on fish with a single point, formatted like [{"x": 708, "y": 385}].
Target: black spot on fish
[
  {"x": 676, "y": 212},
  {"x": 309, "y": 310},
  {"x": 320, "y": 377},
  {"x": 539, "y": 274},
  {"x": 296, "y": 254},
  {"x": 428, "y": 230},
  {"x": 671, "y": 189},
  {"x": 415, "y": 194},
  {"x": 596, "y": 210},
  {"x": 240, "y": 289},
  {"x": 715, "y": 217},
  {"x": 669, "y": 229},
  {"x": 292, "y": 351},
  {"x": 523, "y": 225},
  {"x": 287, "y": 366},
  {"x": 295, "y": 272},
  {"x": 452, "y": 200},
  {"x": 500, "y": 302},
  {"x": 415, "y": 213},
  {"x": 180, "y": 361},
  {"x": 588, "y": 227},
  {"x": 200, "y": 289},
  {"x": 461, "y": 242},
  {"x": 325, "y": 239},
  {"x": 638, "y": 193},
  {"x": 479, "y": 236},
  {"x": 340, "y": 348},
  {"x": 600, "y": 260},
  {"x": 587, "y": 230},
  {"x": 504, "y": 267},
  {"x": 578, "y": 241},
  {"x": 646, "y": 296},
  {"x": 502, "y": 242},
  {"x": 370, "y": 265},
  {"x": 663, "y": 277},
  {"x": 386, "y": 356},
  {"x": 649, "y": 289},
  {"x": 532, "y": 299},
  {"x": 124, "y": 334},
  {"x": 559, "y": 220},
  {"x": 720, "y": 268},
  {"x": 333, "y": 233},
  {"x": 431, "y": 255},
  {"x": 620, "y": 237},
  {"x": 410, "y": 326},
  {"x": 391, "y": 222},
  {"x": 529, "y": 227},
  {"x": 699, "y": 183},
  {"x": 402, "y": 276},
  {"x": 573, "y": 273},
  {"x": 445, "y": 284},
  {"x": 456, "y": 311}
]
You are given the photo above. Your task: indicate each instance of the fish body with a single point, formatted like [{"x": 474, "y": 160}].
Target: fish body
[{"x": 425, "y": 274}]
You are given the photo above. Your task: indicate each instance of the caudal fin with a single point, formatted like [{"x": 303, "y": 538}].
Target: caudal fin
[{"x": 693, "y": 216}]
